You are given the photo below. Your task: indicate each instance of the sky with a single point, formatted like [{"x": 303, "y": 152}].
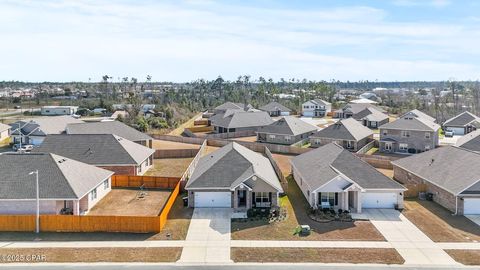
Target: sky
[{"x": 184, "y": 40}]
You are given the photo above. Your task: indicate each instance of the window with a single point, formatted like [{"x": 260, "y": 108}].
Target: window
[
  {"x": 349, "y": 144},
  {"x": 106, "y": 184},
  {"x": 330, "y": 197},
  {"x": 403, "y": 147},
  {"x": 405, "y": 133},
  {"x": 427, "y": 135},
  {"x": 271, "y": 137},
  {"x": 288, "y": 138},
  {"x": 262, "y": 197},
  {"x": 317, "y": 141},
  {"x": 373, "y": 123},
  {"x": 93, "y": 194},
  {"x": 305, "y": 107},
  {"x": 388, "y": 146},
  {"x": 384, "y": 132}
]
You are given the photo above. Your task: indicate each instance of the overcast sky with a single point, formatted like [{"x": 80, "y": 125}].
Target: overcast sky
[{"x": 179, "y": 41}]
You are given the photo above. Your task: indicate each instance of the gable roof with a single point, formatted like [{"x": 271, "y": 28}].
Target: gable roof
[
  {"x": 4, "y": 127},
  {"x": 42, "y": 126},
  {"x": 288, "y": 125},
  {"x": 319, "y": 102},
  {"x": 96, "y": 149},
  {"x": 470, "y": 141},
  {"x": 274, "y": 106},
  {"x": 355, "y": 108},
  {"x": 239, "y": 119},
  {"x": 409, "y": 122},
  {"x": 419, "y": 114},
  {"x": 345, "y": 129},
  {"x": 370, "y": 114},
  {"x": 231, "y": 165},
  {"x": 108, "y": 127},
  {"x": 232, "y": 106},
  {"x": 462, "y": 120},
  {"x": 451, "y": 168},
  {"x": 59, "y": 177},
  {"x": 319, "y": 166}
]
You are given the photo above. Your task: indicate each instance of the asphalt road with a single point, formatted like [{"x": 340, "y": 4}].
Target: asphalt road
[{"x": 220, "y": 267}]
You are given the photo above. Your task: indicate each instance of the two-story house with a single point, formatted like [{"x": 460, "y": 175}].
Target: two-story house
[
  {"x": 316, "y": 108},
  {"x": 409, "y": 134}
]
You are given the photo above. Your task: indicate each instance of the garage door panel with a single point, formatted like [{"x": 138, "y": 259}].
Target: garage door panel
[
  {"x": 379, "y": 200},
  {"x": 471, "y": 206},
  {"x": 213, "y": 199}
]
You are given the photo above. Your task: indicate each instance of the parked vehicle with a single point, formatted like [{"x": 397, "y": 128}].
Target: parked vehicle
[
  {"x": 448, "y": 133},
  {"x": 23, "y": 148},
  {"x": 17, "y": 107}
]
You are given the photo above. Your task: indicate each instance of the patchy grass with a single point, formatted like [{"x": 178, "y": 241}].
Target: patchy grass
[
  {"x": 177, "y": 223},
  {"x": 372, "y": 151},
  {"x": 95, "y": 254},
  {"x": 169, "y": 167},
  {"x": 125, "y": 202},
  {"x": 316, "y": 255},
  {"x": 190, "y": 123},
  {"x": 297, "y": 208},
  {"x": 439, "y": 224},
  {"x": 386, "y": 172},
  {"x": 467, "y": 257}
]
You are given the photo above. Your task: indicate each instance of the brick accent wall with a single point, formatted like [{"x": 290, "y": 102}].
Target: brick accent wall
[{"x": 121, "y": 170}]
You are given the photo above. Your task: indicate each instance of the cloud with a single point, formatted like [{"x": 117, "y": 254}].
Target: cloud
[{"x": 432, "y": 3}]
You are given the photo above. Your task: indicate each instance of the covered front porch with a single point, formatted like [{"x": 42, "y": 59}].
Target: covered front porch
[
  {"x": 338, "y": 194},
  {"x": 246, "y": 198}
]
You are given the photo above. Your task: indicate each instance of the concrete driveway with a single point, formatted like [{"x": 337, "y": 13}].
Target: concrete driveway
[
  {"x": 412, "y": 244},
  {"x": 208, "y": 237}
]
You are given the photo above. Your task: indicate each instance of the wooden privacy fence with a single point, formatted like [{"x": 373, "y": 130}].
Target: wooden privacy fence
[
  {"x": 68, "y": 223},
  {"x": 200, "y": 129},
  {"x": 413, "y": 190},
  {"x": 175, "y": 153},
  {"x": 147, "y": 181}
]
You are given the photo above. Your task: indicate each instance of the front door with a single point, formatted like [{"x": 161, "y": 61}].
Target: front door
[
  {"x": 388, "y": 147},
  {"x": 242, "y": 198}
]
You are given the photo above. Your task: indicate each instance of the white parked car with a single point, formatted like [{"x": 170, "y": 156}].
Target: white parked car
[
  {"x": 448, "y": 133},
  {"x": 23, "y": 148}
]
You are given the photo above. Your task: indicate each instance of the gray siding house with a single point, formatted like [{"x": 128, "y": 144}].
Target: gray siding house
[
  {"x": 287, "y": 130},
  {"x": 233, "y": 121},
  {"x": 348, "y": 133},
  {"x": 462, "y": 124},
  {"x": 233, "y": 177},
  {"x": 276, "y": 109},
  {"x": 371, "y": 117},
  {"x": 409, "y": 134},
  {"x": 352, "y": 109}
]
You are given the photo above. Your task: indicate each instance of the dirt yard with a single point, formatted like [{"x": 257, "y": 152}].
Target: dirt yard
[
  {"x": 160, "y": 144},
  {"x": 296, "y": 206},
  {"x": 439, "y": 224},
  {"x": 316, "y": 255},
  {"x": 246, "y": 139},
  {"x": 169, "y": 167},
  {"x": 94, "y": 254},
  {"x": 467, "y": 257},
  {"x": 386, "y": 172},
  {"x": 125, "y": 202},
  {"x": 283, "y": 162}
]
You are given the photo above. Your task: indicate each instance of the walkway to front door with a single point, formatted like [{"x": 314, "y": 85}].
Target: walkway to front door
[{"x": 208, "y": 237}]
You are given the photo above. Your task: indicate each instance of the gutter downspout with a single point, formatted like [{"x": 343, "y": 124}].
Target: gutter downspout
[{"x": 456, "y": 205}]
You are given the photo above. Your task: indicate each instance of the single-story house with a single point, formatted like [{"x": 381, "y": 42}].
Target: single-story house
[
  {"x": 276, "y": 109},
  {"x": 233, "y": 121},
  {"x": 111, "y": 127},
  {"x": 316, "y": 108},
  {"x": 59, "y": 110},
  {"x": 332, "y": 177},
  {"x": 371, "y": 117},
  {"x": 231, "y": 106},
  {"x": 287, "y": 130},
  {"x": 4, "y": 133},
  {"x": 106, "y": 151},
  {"x": 470, "y": 141},
  {"x": 462, "y": 124},
  {"x": 65, "y": 185},
  {"x": 233, "y": 177},
  {"x": 450, "y": 173},
  {"x": 352, "y": 109},
  {"x": 348, "y": 133},
  {"x": 33, "y": 131}
]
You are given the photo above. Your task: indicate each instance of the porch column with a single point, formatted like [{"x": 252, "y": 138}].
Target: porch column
[
  {"x": 345, "y": 201},
  {"x": 76, "y": 208},
  {"x": 359, "y": 202},
  {"x": 315, "y": 199},
  {"x": 249, "y": 199}
]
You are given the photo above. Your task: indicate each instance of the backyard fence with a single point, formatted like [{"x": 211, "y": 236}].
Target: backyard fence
[
  {"x": 175, "y": 153},
  {"x": 147, "y": 181},
  {"x": 189, "y": 171},
  {"x": 382, "y": 162},
  {"x": 366, "y": 147},
  {"x": 200, "y": 129},
  {"x": 414, "y": 190},
  {"x": 202, "y": 122},
  {"x": 168, "y": 205}
]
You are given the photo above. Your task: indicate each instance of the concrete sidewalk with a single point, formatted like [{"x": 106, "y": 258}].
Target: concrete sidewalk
[
  {"x": 412, "y": 244},
  {"x": 312, "y": 244},
  {"x": 208, "y": 237}
]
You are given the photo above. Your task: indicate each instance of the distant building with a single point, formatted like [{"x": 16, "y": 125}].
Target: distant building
[
  {"x": 316, "y": 108},
  {"x": 59, "y": 110}
]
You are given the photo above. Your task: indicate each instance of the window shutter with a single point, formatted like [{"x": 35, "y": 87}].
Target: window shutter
[{"x": 336, "y": 198}]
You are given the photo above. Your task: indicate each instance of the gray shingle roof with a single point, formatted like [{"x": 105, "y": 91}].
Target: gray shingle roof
[
  {"x": 462, "y": 120},
  {"x": 274, "y": 106},
  {"x": 355, "y": 108},
  {"x": 346, "y": 129},
  {"x": 470, "y": 141},
  {"x": 411, "y": 123},
  {"x": 288, "y": 125},
  {"x": 451, "y": 168},
  {"x": 59, "y": 177},
  {"x": 420, "y": 114},
  {"x": 320, "y": 102},
  {"x": 231, "y": 165},
  {"x": 108, "y": 127},
  {"x": 42, "y": 126},
  {"x": 370, "y": 114},
  {"x": 241, "y": 119},
  {"x": 96, "y": 149},
  {"x": 319, "y": 166},
  {"x": 232, "y": 106}
]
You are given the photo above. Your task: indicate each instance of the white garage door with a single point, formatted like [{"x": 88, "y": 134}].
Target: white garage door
[
  {"x": 458, "y": 131},
  {"x": 471, "y": 206},
  {"x": 213, "y": 199},
  {"x": 379, "y": 200}
]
